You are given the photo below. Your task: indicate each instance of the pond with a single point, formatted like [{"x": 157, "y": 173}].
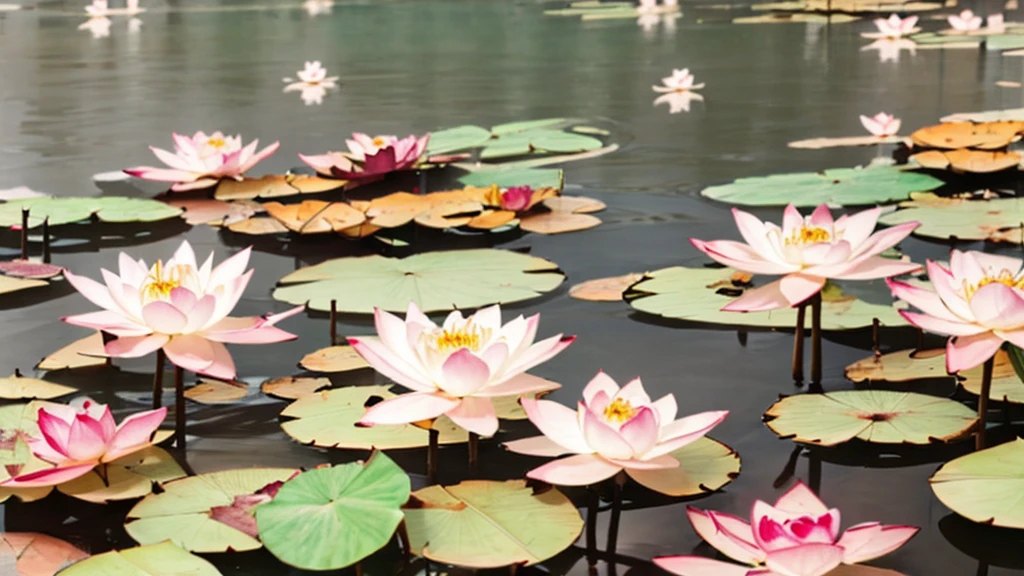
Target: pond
[{"x": 77, "y": 102}]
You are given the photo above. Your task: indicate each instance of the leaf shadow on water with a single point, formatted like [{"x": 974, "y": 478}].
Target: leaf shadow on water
[{"x": 990, "y": 545}]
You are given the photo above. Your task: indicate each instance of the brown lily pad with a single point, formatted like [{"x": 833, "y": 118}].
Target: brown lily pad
[
  {"x": 899, "y": 366},
  {"x": 605, "y": 289},
  {"x": 334, "y": 359},
  {"x": 557, "y": 222},
  {"x": 820, "y": 143},
  {"x": 258, "y": 227},
  {"x": 215, "y": 212},
  {"x": 491, "y": 219},
  {"x": 28, "y": 269},
  {"x": 966, "y": 160},
  {"x": 217, "y": 392},
  {"x": 574, "y": 204},
  {"x": 315, "y": 216},
  {"x": 37, "y": 554},
  {"x": 11, "y": 284},
  {"x": 85, "y": 352},
  {"x": 981, "y": 135},
  {"x": 291, "y": 387},
  {"x": 314, "y": 184},
  {"x": 269, "y": 186}
]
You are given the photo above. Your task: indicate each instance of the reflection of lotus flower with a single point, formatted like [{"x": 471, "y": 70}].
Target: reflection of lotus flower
[
  {"x": 76, "y": 441},
  {"x": 679, "y": 81},
  {"x": 799, "y": 536},
  {"x": 678, "y": 101},
  {"x": 881, "y": 124},
  {"x": 965, "y": 22},
  {"x": 317, "y": 7},
  {"x": 314, "y": 73},
  {"x": 894, "y": 27},
  {"x": 996, "y": 25},
  {"x": 978, "y": 300},
  {"x": 377, "y": 155},
  {"x": 516, "y": 198},
  {"x": 98, "y": 8},
  {"x": 312, "y": 95},
  {"x": 98, "y": 27},
  {"x": 647, "y": 6},
  {"x": 808, "y": 251},
  {"x": 612, "y": 429},
  {"x": 456, "y": 368},
  {"x": 180, "y": 307},
  {"x": 201, "y": 161},
  {"x": 889, "y": 49}
]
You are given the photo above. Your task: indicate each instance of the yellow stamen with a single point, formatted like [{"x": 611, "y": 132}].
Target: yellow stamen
[
  {"x": 216, "y": 142},
  {"x": 453, "y": 340},
  {"x": 809, "y": 235},
  {"x": 619, "y": 411},
  {"x": 378, "y": 141},
  {"x": 157, "y": 287},
  {"x": 1005, "y": 277}
]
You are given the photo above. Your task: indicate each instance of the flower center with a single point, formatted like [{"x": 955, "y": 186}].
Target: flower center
[
  {"x": 379, "y": 142},
  {"x": 450, "y": 340},
  {"x": 1005, "y": 278},
  {"x": 160, "y": 281},
  {"x": 809, "y": 235},
  {"x": 216, "y": 142},
  {"x": 619, "y": 411}
]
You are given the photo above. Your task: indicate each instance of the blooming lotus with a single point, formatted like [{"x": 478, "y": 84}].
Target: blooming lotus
[
  {"x": 894, "y": 27},
  {"x": 679, "y": 81},
  {"x": 516, "y": 198},
  {"x": 369, "y": 157},
  {"x": 798, "y": 536},
  {"x": 201, "y": 161},
  {"x": 179, "y": 307},
  {"x": 646, "y": 6},
  {"x": 612, "y": 429},
  {"x": 978, "y": 300},
  {"x": 966, "y": 21},
  {"x": 882, "y": 125},
  {"x": 313, "y": 74},
  {"x": 456, "y": 368},
  {"x": 77, "y": 440},
  {"x": 808, "y": 251},
  {"x": 98, "y": 8}
]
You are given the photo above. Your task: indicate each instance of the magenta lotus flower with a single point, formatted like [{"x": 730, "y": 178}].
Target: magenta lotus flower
[
  {"x": 894, "y": 27},
  {"x": 612, "y": 429},
  {"x": 516, "y": 198},
  {"x": 679, "y": 81},
  {"x": 966, "y": 21},
  {"x": 882, "y": 125},
  {"x": 808, "y": 251},
  {"x": 179, "y": 307},
  {"x": 456, "y": 368},
  {"x": 77, "y": 440},
  {"x": 978, "y": 300},
  {"x": 201, "y": 161},
  {"x": 798, "y": 536},
  {"x": 370, "y": 157}
]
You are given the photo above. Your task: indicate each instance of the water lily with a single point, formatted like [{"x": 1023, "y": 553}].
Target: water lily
[
  {"x": 798, "y": 536},
  {"x": 679, "y": 81},
  {"x": 807, "y": 251},
  {"x": 678, "y": 101},
  {"x": 202, "y": 160},
  {"x": 996, "y": 24},
  {"x": 516, "y": 198},
  {"x": 313, "y": 74},
  {"x": 646, "y": 6},
  {"x": 77, "y": 440},
  {"x": 179, "y": 307},
  {"x": 456, "y": 368},
  {"x": 611, "y": 430},
  {"x": 894, "y": 27},
  {"x": 966, "y": 21},
  {"x": 882, "y": 125},
  {"x": 98, "y": 8},
  {"x": 370, "y": 157}
]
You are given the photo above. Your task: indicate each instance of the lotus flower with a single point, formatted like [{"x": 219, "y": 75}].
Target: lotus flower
[
  {"x": 612, "y": 429},
  {"x": 798, "y": 536},
  {"x": 894, "y": 27},
  {"x": 179, "y": 307},
  {"x": 808, "y": 251},
  {"x": 455, "y": 369},
  {"x": 679, "y": 81},
  {"x": 516, "y": 198},
  {"x": 201, "y": 161},
  {"x": 978, "y": 300},
  {"x": 313, "y": 74},
  {"x": 996, "y": 24},
  {"x": 98, "y": 8},
  {"x": 882, "y": 125},
  {"x": 647, "y": 6},
  {"x": 375, "y": 156},
  {"x": 77, "y": 440},
  {"x": 965, "y": 22}
]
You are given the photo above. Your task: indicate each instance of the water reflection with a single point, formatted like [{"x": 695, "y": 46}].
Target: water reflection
[
  {"x": 318, "y": 7},
  {"x": 98, "y": 27},
  {"x": 678, "y": 101},
  {"x": 889, "y": 49}
]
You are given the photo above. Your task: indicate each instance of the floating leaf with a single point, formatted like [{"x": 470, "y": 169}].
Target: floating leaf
[
  {"x": 820, "y": 143},
  {"x": 20, "y": 193},
  {"x": 164, "y": 559},
  {"x": 78, "y": 354},
  {"x": 343, "y": 514},
  {"x": 1006, "y": 385},
  {"x": 982, "y": 135},
  {"x": 274, "y": 186},
  {"x": 28, "y": 269},
  {"x": 487, "y": 524},
  {"x": 400, "y": 208},
  {"x": 434, "y": 281},
  {"x": 17, "y": 387},
  {"x": 557, "y": 222},
  {"x": 1013, "y": 114},
  {"x": 698, "y": 295},
  {"x": 574, "y": 204},
  {"x": 779, "y": 18},
  {"x": 985, "y": 486},
  {"x": 258, "y": 227},
  {"x": 36, "y": 554},
  {"x": 523, "y": 126},
  {"x": 334, "y": 359},
  {"x": 835, "y": 187},
  {"x": 506, "y": 178},
  {"x": 315, "y": 216},
  {"x": 292, "y": 388},
  {"x": 9, "y": 284},
  {"x": 966, "y": 160},
  {"x": 457, "y": 138},
  {"x": 209, "y": 391},
  {"x": 996, "y": 220},
  {"x": 605, "y": 289},
  {"x": 852, "y": 6},
  {"x": 705, "y": 466},
  {"x": 127, "y": 478},
  {"x": 214, "y": 212},
  {"x": 875, "y": 416},
  {"x": 182, "y": 512},
  {"x": 328, "y": 420},
  {"x": 900, "y": 366},
  {"x": 68, "y": 210},
  {"x": 491, "y": 219}
]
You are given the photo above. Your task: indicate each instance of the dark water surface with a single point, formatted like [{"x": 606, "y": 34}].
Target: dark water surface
[{"x": 72, "y": 105}]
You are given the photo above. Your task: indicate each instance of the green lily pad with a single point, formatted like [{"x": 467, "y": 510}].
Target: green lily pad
[
  {"x": 127, "y": 478},
  {"x": 523, "y": 126},
  {"x": 487, "y": 524},
  {"x": 1004, "y": 42},
  {"x": 835, "y": 187},
  {"x": 164, "y": 559},
  {"x": 505, "y": 178},
  {"x": 434, "y": 281},
  {"x": 875, "y": 416},
  {"x": 705, "y": 466},
  {"x": 692, "y": 294},
  {"x": 329, "y": 518},
  {"x": 457, "y": 138},
  {"x": 182, "y": 512},
  {"x": 996, "y": 220},
  {"x": 985, "y": 486},
  {"x": 15, "y": 456},
  {"x": 69, "y": 210}
]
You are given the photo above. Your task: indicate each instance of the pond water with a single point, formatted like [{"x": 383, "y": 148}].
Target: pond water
[{"x": 72, "y": 105}]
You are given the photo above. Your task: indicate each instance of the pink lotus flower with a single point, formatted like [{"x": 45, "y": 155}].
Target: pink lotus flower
[
  {"x": 965, "y": 22},
  {"x": 808, "y": 252},
  {"x": 894, "y": 27},
  {"x": 179, "y": 307},
  {"x": 76, "y": 441},
  {"x": 679, "y": 81},
  {"x": 516, "y": 198},
  {"x": 201, "y": 161},
  {"x": 98, "y": 8},
  {"x": 882, "y": 125},
  {"x": 799, "y": 536},
  {"x": 978, "y": 300},
  {"x": 455, "y": 369},
  {"x": 313, "y": 74},
  {"x": 369, "y": 157},
  {"x": 612, "y": 429}
]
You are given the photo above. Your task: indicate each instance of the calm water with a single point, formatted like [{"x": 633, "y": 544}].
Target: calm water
[{"x": 74, "y": 105}]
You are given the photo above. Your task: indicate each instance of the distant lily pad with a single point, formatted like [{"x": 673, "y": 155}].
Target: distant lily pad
[
  {"x": 164, "y": 559},
  {"x": 434, "y": 281},
  {"x": 505, "y": 178},
  {"x": 819, "y": 143},
  {"x": 705, "y": 466},
  {"x": 329, "y": 518},
  {"x": 698, "y": 295},
  {"x": 66, "y": 210},
  {"x": 836, "y": 187},
  {"x": 996, "y": 220},
  {"x": 1014, "y": 114},
  {"x": 875, "y": 416},
  {"x": 457, "y": 138},
  {"x": 28, "y": 269},
  {"x": 985, "y": 486}
]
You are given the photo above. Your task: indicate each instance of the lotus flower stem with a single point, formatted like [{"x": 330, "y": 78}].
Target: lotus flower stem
[
  {"x": 423, "y": 181},
  {"x": 613, "y": 523},
  {"x": 814, "y": 470},
  {"x": 593, "y": 501},
  {"x": 104, "y": 473},
  {"x": 359, "y": 569},
  {"x": 816, "y": 338},
  {"x": 46, "y": 241},
  {"x": 432, "y": 456},
  {"x": 179, "y": 407},
  {"x": 920, "y": 339},
  {"x": 334, "y": 322},
  {"x": 875, "y": 347},
  {"x": 403, "y": 540},
  {"x": 986, "y": 389},
  {"x": 798, "y": 344},
  {"x": 158, "y": 379},
  {"x": 24, "y": 234},
  {"x": 474, "y": 450}
]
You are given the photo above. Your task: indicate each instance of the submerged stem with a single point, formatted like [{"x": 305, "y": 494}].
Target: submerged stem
[
  {"x": 24, "y": 234},
  {"x": 432, "y": 456},
  {"x": 613, "y": 523},
  {"x": 474, "y": 451},
  {"x": 593, "y": 501},
  {"x": 986, "y": 390},
  {"x": 816, "y": 339},
  {"x": 179, "y": 407},
  {"x": 158, "y": 379},
  {"x": 798, "y": 344},
  {"x": 334, "y": 322}
]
